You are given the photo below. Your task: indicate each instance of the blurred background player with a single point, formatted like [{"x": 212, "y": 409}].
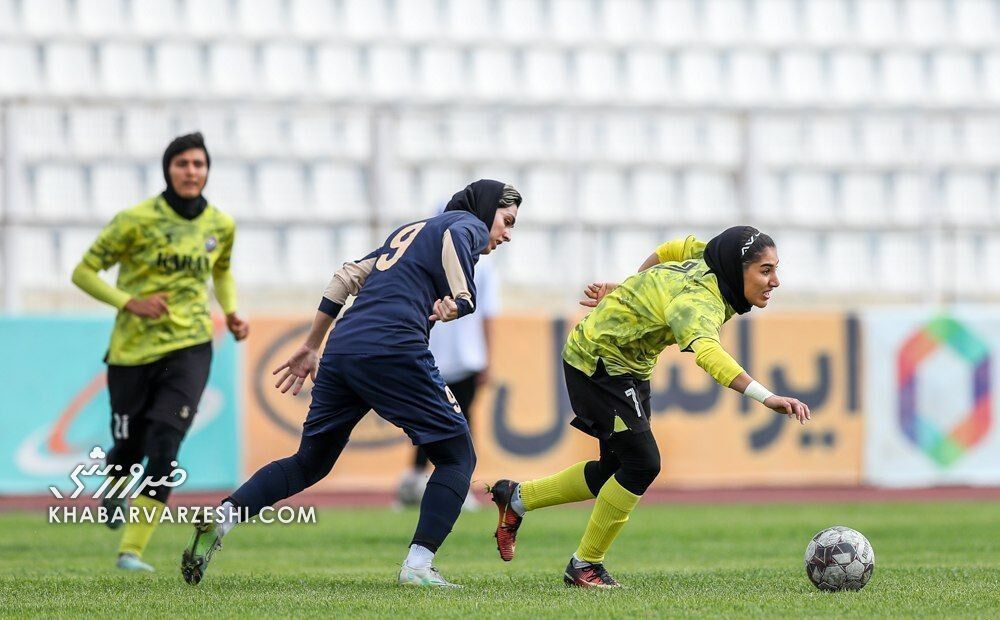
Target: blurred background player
[
  {"x": 682, "y": 295},
  {"x": 377, "y": 358},
  {"x": 462, "y": 352},
  {"x": 161, "y": 345}
]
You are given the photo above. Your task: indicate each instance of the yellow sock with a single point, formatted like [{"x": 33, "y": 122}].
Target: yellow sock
[
  {"x": 567, "y": 486},
  {"x": 611, "y": 510},
  {"x": 136, "y": 535}
]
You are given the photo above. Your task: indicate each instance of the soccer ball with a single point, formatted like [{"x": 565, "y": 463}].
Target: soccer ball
[{"x": 839, "y": 558}]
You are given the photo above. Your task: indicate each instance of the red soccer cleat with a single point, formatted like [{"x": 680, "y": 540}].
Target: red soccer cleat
[
  {"x": 509, "y": 521},
  {"x": 589, "y": 576}
]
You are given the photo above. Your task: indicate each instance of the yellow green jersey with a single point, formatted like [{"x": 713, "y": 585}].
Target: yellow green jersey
[
  {"x": 158, "y": 251},
  {"x": 675, "y": 302}
]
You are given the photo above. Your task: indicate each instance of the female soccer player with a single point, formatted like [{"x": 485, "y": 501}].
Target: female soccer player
[
  {"x": 377, "y": 358},
  {"x": 682, "y": 295},
  {"x": 161, "y": 345}
]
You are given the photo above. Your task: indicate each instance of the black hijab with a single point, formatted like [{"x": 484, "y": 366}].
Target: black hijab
[
  {"x": 186, "y": 208},
  {"x": 481, "y": 199},
  {"x": 724, "y": 255}
]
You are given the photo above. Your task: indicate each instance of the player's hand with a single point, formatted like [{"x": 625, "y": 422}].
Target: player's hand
[
  {"x": 444, "y": 310},
  {"x": 303, "y": 363},
  {"x": 595, "y": 293},
  {"x": 239, "y": 328},
  {"x": 152, "y": 307},
  {"x": 792, "y": 407}
]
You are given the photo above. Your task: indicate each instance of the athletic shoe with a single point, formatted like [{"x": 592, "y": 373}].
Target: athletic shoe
[
  {"x": 204, "y": 543},
  {"x": 509, "y": 521},
  {"x": 423, "y": 577},
  {"x": 589, "y": 576},
  {"x": 112, "y": 504},
  {"x": 131, "y": 562}
]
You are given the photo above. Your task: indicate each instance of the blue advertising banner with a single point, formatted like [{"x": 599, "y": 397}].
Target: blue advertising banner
[{"x": 54, "y": 407}]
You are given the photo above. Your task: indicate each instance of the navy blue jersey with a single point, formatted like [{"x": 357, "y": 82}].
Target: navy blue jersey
[{"x": 418, "y": 264}]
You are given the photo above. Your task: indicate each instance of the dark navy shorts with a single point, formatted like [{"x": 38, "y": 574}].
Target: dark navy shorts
[{"x": 404, "y": 388}]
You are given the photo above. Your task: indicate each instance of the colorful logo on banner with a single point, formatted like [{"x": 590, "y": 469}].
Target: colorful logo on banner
[{"x": 944, "y": 447}]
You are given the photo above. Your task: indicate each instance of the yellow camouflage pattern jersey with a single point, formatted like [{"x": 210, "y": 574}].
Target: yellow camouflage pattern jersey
[
  {"x": 159, "y": 251},
  {"x": 675, "y": 302}
]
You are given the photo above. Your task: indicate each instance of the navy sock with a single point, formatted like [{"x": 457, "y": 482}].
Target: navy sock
[{"x": 454, "y": 461}]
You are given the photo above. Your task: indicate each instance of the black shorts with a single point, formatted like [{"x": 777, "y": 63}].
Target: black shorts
[
  {"x": 167, "y": 390},
  {"x": 599, "y": 399}
]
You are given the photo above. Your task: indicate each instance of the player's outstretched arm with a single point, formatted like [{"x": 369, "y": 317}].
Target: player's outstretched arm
[
  {"x": 595, "y": 292},
  {"x": 792, "y": 407},
  {"x": 304, "y": 362}
]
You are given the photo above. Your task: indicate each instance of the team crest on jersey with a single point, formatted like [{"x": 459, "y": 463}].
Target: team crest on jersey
[{"x": 211, "y": 243}]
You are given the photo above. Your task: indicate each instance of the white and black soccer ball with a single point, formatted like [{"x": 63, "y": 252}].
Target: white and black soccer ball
[{"x": 839, "y": 558}]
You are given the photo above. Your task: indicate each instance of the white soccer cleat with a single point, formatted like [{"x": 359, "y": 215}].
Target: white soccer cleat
[
  {"x": 131, "y": 562},
  {"x": 423, "y": 577}
]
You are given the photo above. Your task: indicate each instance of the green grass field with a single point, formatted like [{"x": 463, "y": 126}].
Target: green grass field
[{"x": 932, "y": 560}]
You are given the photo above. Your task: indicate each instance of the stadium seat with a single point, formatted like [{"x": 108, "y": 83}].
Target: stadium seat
[
  {"x": 69, "y": 68},
  {"x": 863, "y": 197},
  {"x": 124, "y": 68},
  {"x": 725, "y": 21},
  {"x": 679, "y": 137},
  {"x": 115, "y": 187},
  {"x": 647, "y": 75},
  {"x": 216, "y": 123},
  {"x": 179, "y": 69},
  {"x": 419, "y": 19},
  {"x": 991, "y": 76},
  {"x": 676, "y": 21},
  {"x": 927, "y": 21},
  {"x": 313, "y": 133},
  {"x": 470, "y": 19},
  {"x": 354, "y": 242},
  {"x": 810, "y": 197},
  {"x": 260, "y": 131},
  {"x": 392, "y": 70},
  {"x": 39, "y": 130},
  {"x": 981, "y": 142},
  {"x": 420, "y": 135},
  {"x": 60, "y": 191},
  {"x": 967, "y": 197},
  {"x": 209, "y": 18},
  {"x": 776, "y": 21},
  {"x": 436, "y": 184},
  {"x": 573, "y": 21},
  {"x": 338, "y": 70},
  {"x": 603, "y": 195},
  {"x": 281, "y": 190},
  {"x": 231, "y": 188},
  {"x": 154, "y": 183},
  {"x": 942, "y": 139},
  {"x": 709, "y": 197},
  {"x": 472, "y": 133},
  {"x": 261, "y": 17},
  {"x": 442, "y": 72},
  {"x": 885, "y": 139},
  {"x": 153, "y": 17},
  {"x": 365, "y": 18},
  {"x": 953, "y": 75},
  {"x": 257, "y": 256},
  {"x": 35, "y": 249},
  {"x": 653, "y": 195},
  {"x": 8, "y": 24},
  {"x": 47, "y": 17},
  {"x": 777, "y": 138},
  {"x": 94, "y": 131},
  {"x": 233, "y": 69},
  {"x": 976, "y": 21},
  {"x": 699, "y": 76},
  {"x": 521, "y": 20},
  {"x": 595, "y": 76},
  {"x": 826, "y": 21},
  {"x": 902, "y": 260},
  {"x": 803, "y": 266},
  {"x": 551, "y": 189},
  {"x": 100, "y": 17},
  {"x": 970, "y": 249},
  {"x": 751, "y": 76},
  {"x": 313, "y": 18},
  {"x": 910, "y": 196},
  {"x": 848, "y": 260},
  {"x": 904, "y": 77},
  {"x": 28, "y": 78},
  {"x": 286, "y": 69},
  {"x": 878, "y": 21},
  {"x": 624, "y": 21},
  {"x": 629, "y": 248},
  {"x": 852, "y": 77},
  {"x": 800, "y": 76},
  {"x": 494, "y": 75},
  {"x": 991, "y": 261},
  {"x": 831, "y": 139},
  {"x": 312, "y": 258},
  {"x": 340, "y": 192},
  {"x": 71, "y": 245},
  {"x": 723, "y": 139},
  {"x": 629, "y": 137},
  {"x": 520, "y": 264},
  {"x": 545, "y": 74}
]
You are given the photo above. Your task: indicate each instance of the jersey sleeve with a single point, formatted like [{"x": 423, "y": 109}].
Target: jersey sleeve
[
  {"x": 681, "y": 249},
  {"x": 111, "y": 244},
  {"x": 714, "y": 360},
  {"x": 460, "y": 245},
  {"x": 692, "y": 316},
  {"x": 345, "y": 282},
  {"x": 222, "y": 275}
]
